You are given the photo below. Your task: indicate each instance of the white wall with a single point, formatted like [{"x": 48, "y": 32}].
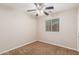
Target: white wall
[
  {"x": 16, "y": 28},
  {"x": 78, "y": 31},
  {"x": 66, "y": 37}
]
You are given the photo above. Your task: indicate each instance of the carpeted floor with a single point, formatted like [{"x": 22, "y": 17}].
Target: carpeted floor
[{"x": 40, "y": 48}]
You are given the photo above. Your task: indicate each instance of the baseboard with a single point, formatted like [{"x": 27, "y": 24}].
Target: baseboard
[
  {"x": 17, "y": 47},
  {"x": 58, "y": 45}
]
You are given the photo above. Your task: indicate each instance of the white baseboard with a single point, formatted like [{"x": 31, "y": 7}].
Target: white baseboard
[
  {"x": 58, "y": 45},
  {"x": 16, "y": 47}
]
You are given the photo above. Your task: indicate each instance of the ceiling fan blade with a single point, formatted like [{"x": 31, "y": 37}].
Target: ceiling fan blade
[
  {"x": 45, "y": 13},
  {"x": 31, "y": 10},
  {"x": 50, "y": 7}
]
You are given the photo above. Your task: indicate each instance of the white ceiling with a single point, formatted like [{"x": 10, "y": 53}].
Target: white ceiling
[{"x": 57, "y": 6}]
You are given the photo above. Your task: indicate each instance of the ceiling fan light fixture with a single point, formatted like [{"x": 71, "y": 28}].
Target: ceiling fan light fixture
[{"x": 41, "y": 10}]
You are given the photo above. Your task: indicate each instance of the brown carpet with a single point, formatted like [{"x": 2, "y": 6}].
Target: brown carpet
[{"x": 40, "y": 48}]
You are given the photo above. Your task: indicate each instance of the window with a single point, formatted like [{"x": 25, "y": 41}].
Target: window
[{"x": 52, "y": 25}]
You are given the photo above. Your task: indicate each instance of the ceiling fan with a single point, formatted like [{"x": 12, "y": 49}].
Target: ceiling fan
[{"x": 40, "y": 8}]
